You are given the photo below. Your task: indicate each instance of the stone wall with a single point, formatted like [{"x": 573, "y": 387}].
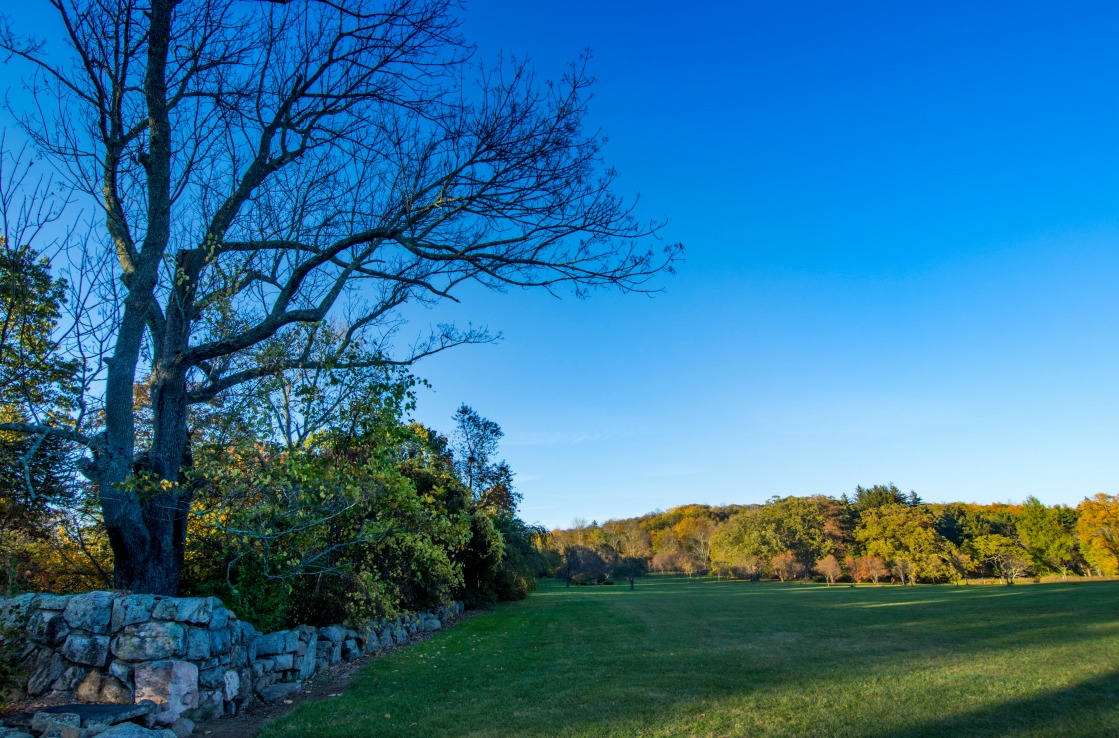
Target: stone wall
[{"x": 191, "y": 657}]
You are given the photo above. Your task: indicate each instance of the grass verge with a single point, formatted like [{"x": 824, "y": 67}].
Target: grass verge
[{"x": 681, "y": 657}]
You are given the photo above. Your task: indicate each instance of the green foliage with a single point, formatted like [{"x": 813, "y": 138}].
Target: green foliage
[
  {"x": 482, "y": 560},
  {"x": 1048, "y": 535},
  {"x": 11, "y": 669},
  {"x": 523, "y": 564},
  {"x": 906, "y": 539},
  {"x": 583, "y": 565},
  {"x": 475, "y": 442},
  {"x": 37, "y": 387},
  {"x": 877, "y": 496},
  {"x": 1006, "y": 556},
  {"x": 13, "y": 647},
  {"x": 327, "y": 534},
  {"x": 323, "y": 524}
]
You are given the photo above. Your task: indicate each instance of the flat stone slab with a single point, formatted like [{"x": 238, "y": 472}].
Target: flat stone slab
[{"x": 103, "y": 714}]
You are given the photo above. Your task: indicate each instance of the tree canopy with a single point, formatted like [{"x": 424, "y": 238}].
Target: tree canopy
[{"x": 261, "y": 168}]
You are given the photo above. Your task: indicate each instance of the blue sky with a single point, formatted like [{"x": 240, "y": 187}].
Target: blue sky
[
  {"x": 902, "y": 225},
  {"x": 902, "y": 232}
]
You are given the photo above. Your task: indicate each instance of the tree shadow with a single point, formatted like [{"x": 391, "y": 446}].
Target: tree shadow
[{"x": 1058, "y": 712}]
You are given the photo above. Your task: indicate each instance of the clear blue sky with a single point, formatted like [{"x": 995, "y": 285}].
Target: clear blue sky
[{"x": 902, "y": 224}]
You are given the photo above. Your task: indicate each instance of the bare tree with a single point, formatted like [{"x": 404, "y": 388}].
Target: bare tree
[
  {"x": 263, "y": 165},
  {"x": 829, "y": 568},
  {"x": 785, "y": 566},
  {"x": 869, "y": 568}
]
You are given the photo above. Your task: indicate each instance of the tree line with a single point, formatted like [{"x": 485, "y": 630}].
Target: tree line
[{"x": 879, "y": 534}]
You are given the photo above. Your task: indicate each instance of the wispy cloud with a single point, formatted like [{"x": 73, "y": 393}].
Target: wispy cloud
[{"x": 555, "y": 439}]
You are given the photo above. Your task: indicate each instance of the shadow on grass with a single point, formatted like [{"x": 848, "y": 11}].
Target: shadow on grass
[{"x": 1059, "y": 712}]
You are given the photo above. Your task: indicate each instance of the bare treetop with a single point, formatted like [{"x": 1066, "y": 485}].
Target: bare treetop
[{"x": 262, "y": 165}]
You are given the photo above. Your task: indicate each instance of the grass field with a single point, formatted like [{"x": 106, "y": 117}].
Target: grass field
[{"x": 680, "y": 657}]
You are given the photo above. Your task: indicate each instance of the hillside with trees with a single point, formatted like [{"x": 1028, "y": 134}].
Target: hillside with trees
[{"x": 878, "y": 534}]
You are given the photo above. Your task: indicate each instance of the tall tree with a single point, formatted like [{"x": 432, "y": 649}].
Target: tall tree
[
  {"x": 1047, "y": 533},
  {"x": 37, "y": 388},
  {"x": 262, "y": 165},
  {"x": 1098, "y": 532},
  {"x": 474, "y": 442}
]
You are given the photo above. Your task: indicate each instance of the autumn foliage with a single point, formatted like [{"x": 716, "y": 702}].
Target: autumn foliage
[{"x": 877, "y": 535}]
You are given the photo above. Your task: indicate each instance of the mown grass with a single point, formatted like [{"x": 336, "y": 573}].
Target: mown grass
[{"x": 682, "y": 657}]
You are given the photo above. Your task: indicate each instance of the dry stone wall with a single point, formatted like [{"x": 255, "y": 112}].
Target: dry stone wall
[{"x": 190, "y": 656}]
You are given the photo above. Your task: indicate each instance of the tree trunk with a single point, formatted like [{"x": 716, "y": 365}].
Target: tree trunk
[{"x": 146, "y": 520}]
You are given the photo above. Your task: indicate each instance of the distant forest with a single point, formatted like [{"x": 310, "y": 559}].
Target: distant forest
[{"x": 880, "y": 534}]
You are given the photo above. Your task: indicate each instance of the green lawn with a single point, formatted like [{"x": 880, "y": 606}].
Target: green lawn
[{"x": 679, "y": 657}]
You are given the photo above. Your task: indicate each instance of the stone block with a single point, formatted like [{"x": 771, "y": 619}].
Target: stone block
[
  {"x": 284, "y": 661},
  {"x": 194, "y": 610},
  {"x": 271, "y": 644},
  {"x": 122, "y": 670},
  {"x": 220, "y": 616},
  {"x": 291, "y": 641},
  {"x": 90, "y": 687},
  {"x": 307, "y": 663},
  {"x": 51, "y": 602},
  {"x": 261, "y": 682},
  {"x": 90, "y": 611},
  {"x": 87, "y": 650},
  {"x": 220, "y": 641},
  {"x": 277, "y": 692},
  {"x": 244, "y": 687},
  {"x": 350, "y": 650},
  {"x": 210, "y": 706},
  {"x": 231, "y": 685},
  {"x": 248, "y": 632},
  {"x": 42, "y": 722},
  {"x": 165, "y": 608},
  {"x": 150, "y": 641},
  {"x": 210, "y": 678},
  {"x": 196, "y": 644},
  {"x": 431, "y": 624},
  {"x": 333, "y": 633},
  {"x": 69, "y": 679},
  {"x": 114, "y": 691},
  {"x": 43, "y": 668},
  {"x": 131, "y": 609},
  {"x": 171, "y": 685},
  {"x": 48, "y": 626}
]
